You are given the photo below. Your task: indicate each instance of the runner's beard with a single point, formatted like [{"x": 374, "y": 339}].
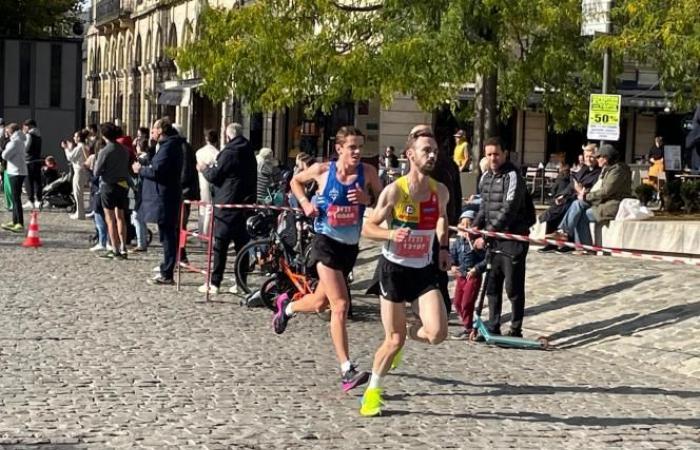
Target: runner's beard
[{"x": 427, "y": 169}]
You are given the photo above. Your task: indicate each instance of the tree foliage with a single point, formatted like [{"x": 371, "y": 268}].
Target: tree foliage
[
  {"x": 37, "y": 18},
  {"x": 277, "y": 53},
  {"x": 664, "y": 34}
]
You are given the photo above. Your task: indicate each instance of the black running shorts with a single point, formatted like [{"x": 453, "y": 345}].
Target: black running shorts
[
  {"x": 114, "y": 196},
  {"x": 334, "y": 254},
  {"x": 400, "y": 284}
]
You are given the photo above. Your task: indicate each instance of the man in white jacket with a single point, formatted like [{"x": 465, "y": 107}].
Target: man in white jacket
[{"x": 16, "y": 171}]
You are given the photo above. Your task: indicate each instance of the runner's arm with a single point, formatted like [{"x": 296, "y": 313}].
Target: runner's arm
[
  {"x": 304, "y": 177},
  {"x": 441, "y": 228},
  {"x": 382, "y": 213}
]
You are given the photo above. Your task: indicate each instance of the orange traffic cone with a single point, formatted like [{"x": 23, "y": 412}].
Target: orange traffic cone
[{"x": 32, "y": 239}]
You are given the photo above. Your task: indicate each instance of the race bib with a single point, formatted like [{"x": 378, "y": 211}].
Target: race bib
[
  {"x": 416, "y": 246},
  {"x": 343, "y": 215}
]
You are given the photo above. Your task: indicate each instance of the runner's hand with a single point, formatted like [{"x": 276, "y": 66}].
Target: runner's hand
[
  {"x": 399, "y": 234},
  {"x": 357, "y": 195},
  {"x": 309, "y": 209}
]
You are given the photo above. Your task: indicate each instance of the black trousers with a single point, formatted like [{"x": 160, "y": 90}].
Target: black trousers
[
  {"x": 33, "y": 181},
  {"x": 168, "y": 238},
  {"x": 16, "y": 189},
  {"x": 507, "y": 269},
  {"x": 227, "y": 227}
]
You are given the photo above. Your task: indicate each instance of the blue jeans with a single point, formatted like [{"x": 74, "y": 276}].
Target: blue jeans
[
  {"x": 141, "y": 230},
  {"x": 576, "y": 222},
  {"x": 101, "y": 227}
]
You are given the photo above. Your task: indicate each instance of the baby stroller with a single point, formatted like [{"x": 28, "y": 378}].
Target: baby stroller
[{"x": 59, "y": 193}]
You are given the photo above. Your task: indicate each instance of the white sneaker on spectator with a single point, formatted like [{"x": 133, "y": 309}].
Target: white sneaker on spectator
[
  {"x": 213, "y": 290},
  {"x": 233, "y": 289},
  {"x": 110, "y": 248},
  {"x": 156, "y": 269},
  {"x": 28, "y": 205},
  {"x": 37, "y": 204},
  {"x": 98, "y": 248}
]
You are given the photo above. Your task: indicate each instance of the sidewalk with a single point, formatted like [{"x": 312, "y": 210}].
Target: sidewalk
[{"x": 620, "y": 307}]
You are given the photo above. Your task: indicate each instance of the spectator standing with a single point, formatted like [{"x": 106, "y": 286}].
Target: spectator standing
[
  {"x": 136, "y": 218},
  {"x": 96, "y": 206},
  {"x": 32, "y": 152},
  {"x": 206, "y": 156},
  {"x": 189, "y": 181},
  {"x": 467, "y": 267},
  {"x": 269, "y": 174},
  {"x": 461, "y": 152},
  {"x": 389, "y": 163},
  {"x": 7, "y": 190},
  {"x": 656, "y": 159},
  {"x": 76, "y": 156},
  {"x": 234, "y": 179},
  {"x": 14, "y": 155},
  {"x": 692, "y": 142},
  {"x": 162, "y": 193},
  {"x": 504, "y": 208},
  {"x": 112, "y": 166}
]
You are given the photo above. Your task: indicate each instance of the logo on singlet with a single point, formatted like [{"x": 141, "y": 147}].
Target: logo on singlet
[
  {"x": 409, "y": 209},
  {"x": 333, "y": 193}
]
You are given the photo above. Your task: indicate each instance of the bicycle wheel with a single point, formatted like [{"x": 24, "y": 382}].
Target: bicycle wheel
[{"x": 255, "y": 263}]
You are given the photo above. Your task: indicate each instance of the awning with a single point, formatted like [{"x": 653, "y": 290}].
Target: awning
[{"x": 171, "y": 97}]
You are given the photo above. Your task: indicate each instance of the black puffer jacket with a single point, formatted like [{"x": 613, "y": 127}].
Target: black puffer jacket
[
  {"x": 233, "y": 177},
  {"x": 504, "y": 201}
]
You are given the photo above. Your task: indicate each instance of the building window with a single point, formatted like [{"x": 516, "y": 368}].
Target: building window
[
  {"x": 55, "y": 81},
  {"x": 25, "y": 70}
]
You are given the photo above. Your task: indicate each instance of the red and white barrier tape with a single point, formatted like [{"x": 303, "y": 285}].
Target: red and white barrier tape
[
  {"x": 595, "y": 248},
  {"x": 246, "y": 206}
]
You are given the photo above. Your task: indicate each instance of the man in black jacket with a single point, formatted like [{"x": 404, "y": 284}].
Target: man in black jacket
[
  {"x": 32, "y": 151},
  {"x": 189, "y": 180},
  {"x": 161, "y": 193},
  {"x": 504, "y": 208},
  {"x": 234, "y": 180}
]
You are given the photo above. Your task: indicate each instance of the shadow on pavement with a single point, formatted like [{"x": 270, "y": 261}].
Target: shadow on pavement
[
  {"x": 583, "y": 297},
  {"x": 657, "y": 319},
  {"x": 581, "y": 421},
  {"x": 502, "y": 389}
]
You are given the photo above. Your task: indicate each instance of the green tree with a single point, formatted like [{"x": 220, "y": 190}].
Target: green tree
[
  {"x": 664, "y": 34},
  {"x": 37, "y": 18},
  {"x": 277, "y": 53}
]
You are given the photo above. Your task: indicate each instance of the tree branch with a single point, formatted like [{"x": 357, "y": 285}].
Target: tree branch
[{"x": 357, "y": 8}]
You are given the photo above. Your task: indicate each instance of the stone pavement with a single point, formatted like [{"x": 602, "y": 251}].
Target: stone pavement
[{"x": 92, "y": 357}]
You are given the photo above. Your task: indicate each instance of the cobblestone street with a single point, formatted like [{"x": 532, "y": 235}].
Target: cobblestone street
[{"x": 93, "y": 357}]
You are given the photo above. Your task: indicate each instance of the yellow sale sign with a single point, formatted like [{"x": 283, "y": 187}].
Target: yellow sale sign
[{"x": 604, "y": 117}]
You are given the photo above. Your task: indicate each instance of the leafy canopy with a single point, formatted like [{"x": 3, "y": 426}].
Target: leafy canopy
[
  {"x": 278, "y": 53},
  {"x": 664, "y": 34},
  {"x": 37, "y": 18}
]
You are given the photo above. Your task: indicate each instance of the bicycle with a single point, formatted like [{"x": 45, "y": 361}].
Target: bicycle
[{"x": 279, "y": 262}]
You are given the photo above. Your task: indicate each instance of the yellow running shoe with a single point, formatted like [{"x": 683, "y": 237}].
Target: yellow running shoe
[
  {"x": 372, "y": 403},
  {"x": 398, "y": 357}
]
